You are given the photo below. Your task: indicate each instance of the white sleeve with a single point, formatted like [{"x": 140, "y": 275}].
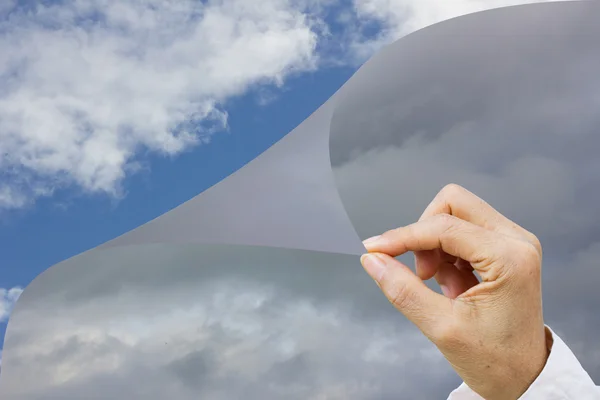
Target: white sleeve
[{"x": 563, "y": 378}]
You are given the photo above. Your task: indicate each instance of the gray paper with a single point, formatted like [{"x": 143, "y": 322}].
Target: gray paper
[{"x": 253, "y": 288}]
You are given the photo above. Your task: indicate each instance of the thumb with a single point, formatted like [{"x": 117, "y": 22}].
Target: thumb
[{"x": 408, "y": 293}]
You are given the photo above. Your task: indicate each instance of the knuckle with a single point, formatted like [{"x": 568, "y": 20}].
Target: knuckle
[
  {"x": 402, "y": 231},
  {"x": 446, "y": 335},
  {"x": 443, "y": 218},
  {"x": 533, "y": 239},
  {"x": 529, "y": 255},
  {"x": 391, "y": 232},
  {"x": 451, "y": 190},
  {"x": 447, "y": 221},
  {"x": 399, "y": 229}
]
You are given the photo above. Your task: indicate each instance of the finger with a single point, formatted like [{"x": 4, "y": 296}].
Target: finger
[
  {"x": 461, "y": 203},
  {"x": 453, "y": 280},
  {"x": 459, "y": 238},
  {"x": 419, "y": 304},
  {"x": 428, "y": 261},
  {"x": 463, "y": 265}
]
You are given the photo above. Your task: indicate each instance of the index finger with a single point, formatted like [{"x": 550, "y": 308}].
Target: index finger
[
  {"x": 461, "y": 203},
  {"x": 474, "y": 244}
]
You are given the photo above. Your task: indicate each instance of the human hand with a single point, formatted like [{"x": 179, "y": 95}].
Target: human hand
[{"x": 492, "y": 332}]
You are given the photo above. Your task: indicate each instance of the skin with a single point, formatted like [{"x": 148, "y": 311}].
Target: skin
[{"x": 492, "y": 332}]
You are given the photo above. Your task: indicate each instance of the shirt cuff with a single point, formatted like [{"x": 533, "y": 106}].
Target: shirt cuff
[{"x": 563, "y": 378}]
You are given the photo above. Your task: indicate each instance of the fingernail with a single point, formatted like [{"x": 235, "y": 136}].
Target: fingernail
[
  {"x": 374, "y": 266},
  {"x": 371, "y": 240}
]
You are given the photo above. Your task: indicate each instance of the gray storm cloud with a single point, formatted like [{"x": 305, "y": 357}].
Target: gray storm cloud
[
  {"x": 214, "y": 321},
  {"x": 253, "y": 289}
]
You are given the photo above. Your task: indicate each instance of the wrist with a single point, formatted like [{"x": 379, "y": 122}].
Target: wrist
[
  {"x": 520, "y": 371},
  {"x": 535, "y": 366}
]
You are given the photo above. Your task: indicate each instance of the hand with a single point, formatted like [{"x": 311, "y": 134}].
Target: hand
[{"x": 492, "y": 332}]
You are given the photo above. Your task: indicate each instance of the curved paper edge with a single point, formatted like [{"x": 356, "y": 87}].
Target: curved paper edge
[
  {"x": 423, "y": 89},
  {"x": 286, "y": 197}
]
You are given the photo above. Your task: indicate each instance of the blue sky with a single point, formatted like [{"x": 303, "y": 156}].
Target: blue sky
[
  {"x": 34, "y": 239},
  {"x": 72, "y": 220},
  {"x": 91, "y": 114}
]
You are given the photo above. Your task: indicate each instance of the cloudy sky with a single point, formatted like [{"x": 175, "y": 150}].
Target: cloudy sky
[
  {"x": 212, "y": 321},
  {"x": 115, "y": 112}
]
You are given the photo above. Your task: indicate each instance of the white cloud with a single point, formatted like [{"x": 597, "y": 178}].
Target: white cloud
[
  {"x": 8, "y": 297},
  {"x": 401, "y": 17},
  {"x": 85, "y": 86},
  {"x": 88, "y": 87},
  {"x": 212, "y": 340}
]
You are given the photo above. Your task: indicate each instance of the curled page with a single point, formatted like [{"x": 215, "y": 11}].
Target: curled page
[
  {"x": 503, "y": 102},
  {"x": 286, "y": 197},
  {"x": 253, "y": 288}
]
